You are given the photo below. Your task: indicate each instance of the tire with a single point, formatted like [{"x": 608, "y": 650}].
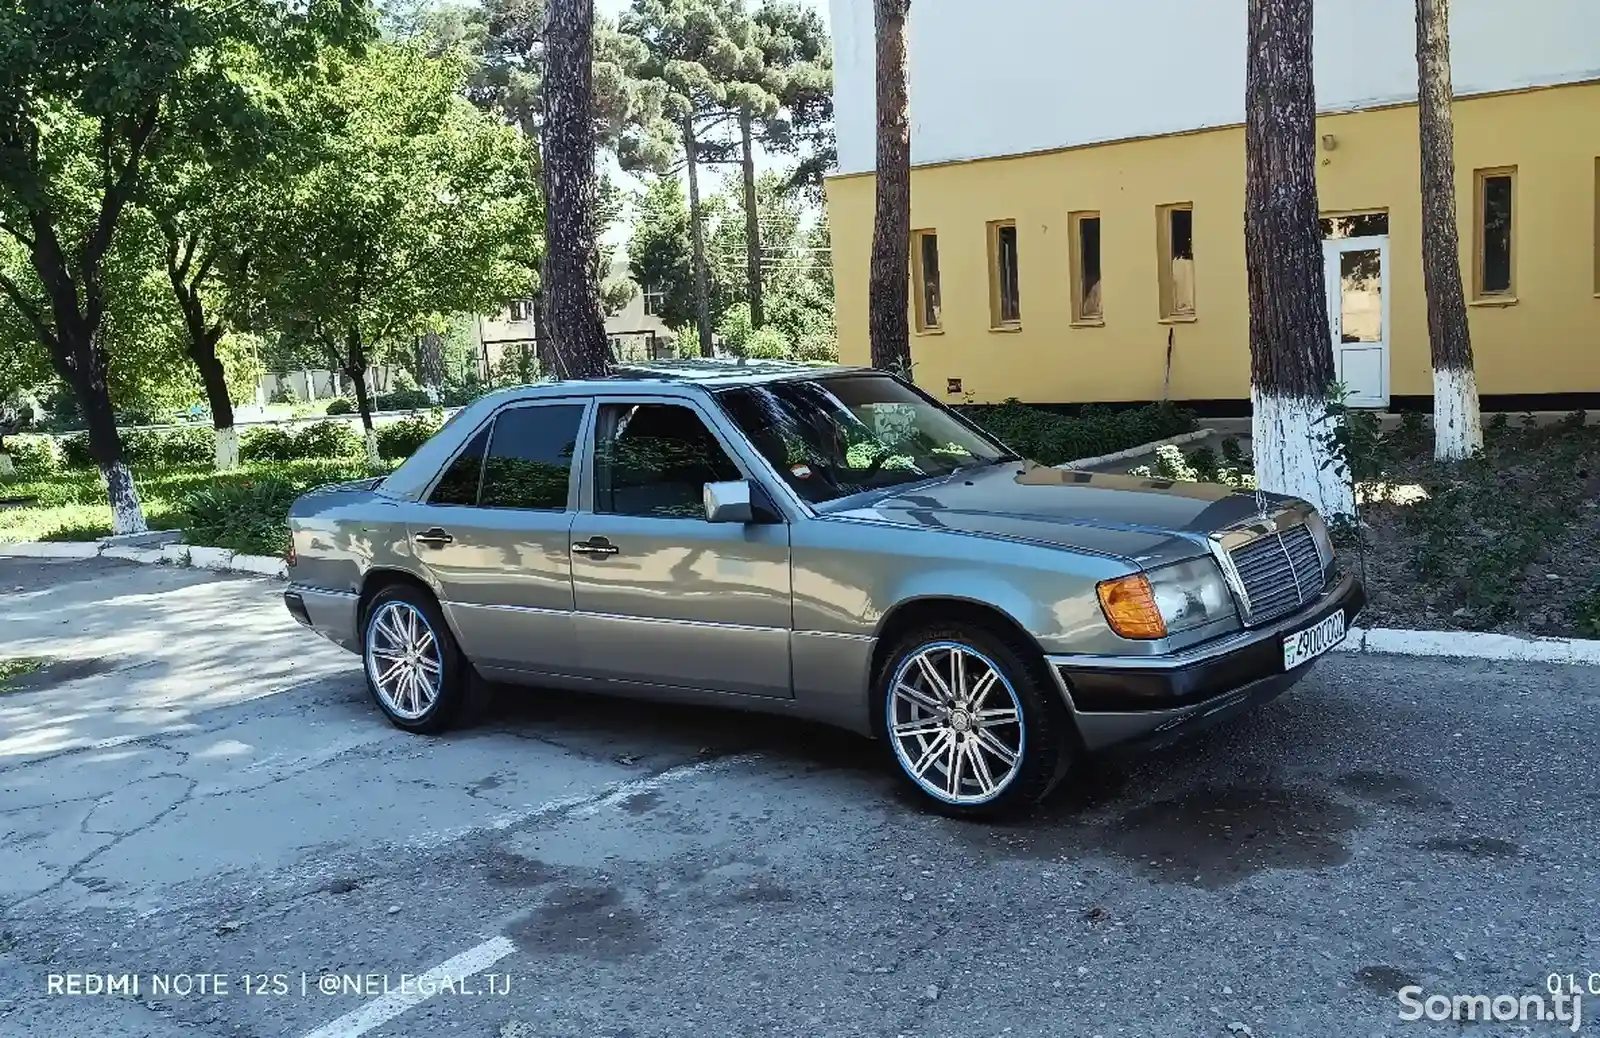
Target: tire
[
  {"x": 924, "y": 731},
  {"x": 449, "y": 696}
]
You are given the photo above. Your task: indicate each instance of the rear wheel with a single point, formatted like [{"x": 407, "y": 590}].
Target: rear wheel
[
  {"x": 973, "y": 724},
  {"x": 415, "y": 670}
]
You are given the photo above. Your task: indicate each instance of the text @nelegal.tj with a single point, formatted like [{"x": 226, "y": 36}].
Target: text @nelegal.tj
[{"x": 302, "y": 984}]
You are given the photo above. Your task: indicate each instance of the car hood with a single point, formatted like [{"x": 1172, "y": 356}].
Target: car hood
[{"x": 1146, "y": 521}]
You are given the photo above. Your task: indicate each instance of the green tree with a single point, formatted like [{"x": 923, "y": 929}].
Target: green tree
[
  {"x": 417, "y": 206},
  {"x": 703, "y": 60},
  {"x": 88, "y": 94},
  {"x": 660, "y": 256}
]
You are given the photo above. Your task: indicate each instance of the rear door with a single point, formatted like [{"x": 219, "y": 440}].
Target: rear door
[
  {"x": 664, "y": 597},
  {"x": 494, "y": 536}
]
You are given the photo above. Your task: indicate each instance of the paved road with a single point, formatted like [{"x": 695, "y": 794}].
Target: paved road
[{"x": 199, "y": 789}]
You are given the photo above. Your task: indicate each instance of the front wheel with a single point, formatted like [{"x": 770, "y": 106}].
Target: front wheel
[
  {"x": 974, "y": 728},
  {"x": 415, "y": 671}
]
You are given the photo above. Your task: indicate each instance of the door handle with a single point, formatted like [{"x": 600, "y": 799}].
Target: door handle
[
  {"x": 594, "y": 546},
  {"x": 434, "y": 538}
]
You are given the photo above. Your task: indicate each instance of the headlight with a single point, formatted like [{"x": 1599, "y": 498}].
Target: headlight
[
  {"x": 1322, "y": 538},
  {"x": 1166, "y": 601}
]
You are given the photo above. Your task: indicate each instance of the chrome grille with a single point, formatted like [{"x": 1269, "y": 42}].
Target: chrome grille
[{"x": 1279, "y": 571}]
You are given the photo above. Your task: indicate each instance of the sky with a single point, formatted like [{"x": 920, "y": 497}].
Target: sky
[{"x": 711, "y": 180}]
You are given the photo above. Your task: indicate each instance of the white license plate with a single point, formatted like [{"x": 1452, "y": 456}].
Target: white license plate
[{"x": 1307, "y": 645}]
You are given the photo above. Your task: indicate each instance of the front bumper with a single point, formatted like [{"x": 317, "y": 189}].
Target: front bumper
[{"x": 1152, "y": 701}]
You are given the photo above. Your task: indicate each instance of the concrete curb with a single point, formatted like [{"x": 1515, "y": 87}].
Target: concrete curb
[
  {"x": 1472, "y": 645},
  {"x": 221, "y": 560},
  {"x": 1134, "y": 452}
]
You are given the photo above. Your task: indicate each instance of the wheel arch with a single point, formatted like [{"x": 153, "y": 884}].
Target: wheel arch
[
  {"x": 377, "y": 579},
  {"x": 927, "y": 609}
]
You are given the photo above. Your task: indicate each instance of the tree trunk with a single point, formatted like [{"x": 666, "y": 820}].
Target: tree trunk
[
  {"x": 354, "y": 364},
  {"x": 1291, "y": 350},
  {"x": 430, "y": 365},
  {"x": 889, "y": 284},
  {"x": 752, "y": 224},
  {"x": 212, "y": 376},
  {"x": 1457, "y": 425},
  {"x": 571, "y": 295},
  {"x": 697, "y": 238},
  {"x": 541, "y": 352},
  {"x": 81, "y": 362}
]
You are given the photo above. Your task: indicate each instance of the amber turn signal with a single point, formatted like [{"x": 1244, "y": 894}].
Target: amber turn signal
[{"x": 1130, "y": 607}]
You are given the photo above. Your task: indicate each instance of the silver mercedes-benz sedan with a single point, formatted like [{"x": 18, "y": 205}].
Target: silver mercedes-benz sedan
[{"x": 827, "y": 543}]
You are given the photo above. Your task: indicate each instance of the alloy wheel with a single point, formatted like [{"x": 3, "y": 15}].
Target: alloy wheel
[
  {"x": 403, "y": 660},
  {"x": 955, "y": 723}
]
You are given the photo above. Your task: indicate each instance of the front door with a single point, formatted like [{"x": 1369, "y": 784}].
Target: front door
[
  {"x": 494, "y": 533},
  {"x": 1357, "y": 272},
  {"x": 663, "y": 596}
]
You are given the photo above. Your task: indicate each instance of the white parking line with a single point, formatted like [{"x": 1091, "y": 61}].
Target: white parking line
[
  {"x": 385, "y": 1008},
  {"x": 381, "y": 1010}
]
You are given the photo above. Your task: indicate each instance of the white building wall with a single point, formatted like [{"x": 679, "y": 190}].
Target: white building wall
[{"x": 1006, "y": 77}]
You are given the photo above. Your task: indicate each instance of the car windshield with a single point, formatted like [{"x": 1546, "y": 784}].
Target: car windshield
[{"x": 831, "y": 438}]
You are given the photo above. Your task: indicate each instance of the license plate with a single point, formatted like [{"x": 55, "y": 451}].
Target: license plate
[{"x": 1307, "y": 645}]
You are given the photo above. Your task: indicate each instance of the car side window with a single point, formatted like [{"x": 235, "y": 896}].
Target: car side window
[
  {"x": 529, "y": 464},
  {"x": 655, "y": 460},
  {"x": 459, "y": 484}
]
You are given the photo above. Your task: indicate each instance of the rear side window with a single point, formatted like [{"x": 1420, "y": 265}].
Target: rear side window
[
  {"x": 530, "y": 457},
  {"x": 459, "y": 484}
]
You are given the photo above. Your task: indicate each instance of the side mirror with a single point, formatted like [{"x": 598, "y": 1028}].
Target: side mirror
[{"x": 729, "y": 502}]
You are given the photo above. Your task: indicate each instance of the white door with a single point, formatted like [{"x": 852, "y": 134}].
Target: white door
[{"x": 1357, "y": 271}]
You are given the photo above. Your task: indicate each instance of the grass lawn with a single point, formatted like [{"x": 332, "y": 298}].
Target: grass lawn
[{"x": 245, "y": 510}]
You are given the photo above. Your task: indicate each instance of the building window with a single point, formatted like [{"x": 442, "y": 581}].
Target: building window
[
  {"x": 1175, "y": 233},
  {"x": 521, "y": 310},
  {"x": 1005, "y": 300},
  {"x": 1494, "y": 222},
  {"x": 654, "y": 300},
  {"x": 925, "y": 276},
  {"x": 1355, "y": 225},
  {"x": 1085, "y": 231}
]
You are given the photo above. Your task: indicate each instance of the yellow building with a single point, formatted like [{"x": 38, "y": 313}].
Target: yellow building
[{"x": 1078, "y": 191}]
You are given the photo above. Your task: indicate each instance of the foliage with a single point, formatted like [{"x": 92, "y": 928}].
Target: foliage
[
  {"x": 400, "y": 439},
  {"x": 319, "y": 440},
  {"x": 415, "y": 206},
  {"x": 72, "y": 505},
  {"x": 1199, "y": 466},
  {"x": 1587, "y": 613},
  {"x": 1051, "y": 439},
  {"x": 34, "y": 456},
  {"x": 147, "y": 448},
  {"x": 402, "y": 400},
  {"x": 248, "y": 516},
  {"x": 340, "y": 405}
]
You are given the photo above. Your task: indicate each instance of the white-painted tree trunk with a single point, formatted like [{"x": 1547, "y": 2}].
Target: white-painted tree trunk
[
  {"x": 127, "y": 514},
  {"x": 8, "y": 470},
  {"x": 372, "y": 447},
  {"x": 227, "y": 448},
  {"x": 1288, "y": 440},
  {"x": 1457, "y": 422}
]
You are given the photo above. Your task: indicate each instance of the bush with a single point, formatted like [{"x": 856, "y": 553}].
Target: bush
[
  {"x": 147, "y": 448},
  {"x": 341, "y": 405},
  {"x": 401, "y": 400},
  {"x": 398, "y": 440},
  {"x": 249, "y": 516},
  {"x": 267, "y": 443},
  {"x": 1051, "y": 438},
  {"x": 35, "y": 457},
  {"x": 327, "y": 440}
]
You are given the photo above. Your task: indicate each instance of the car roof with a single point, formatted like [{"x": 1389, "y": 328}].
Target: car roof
[{"x": 712, "y": 373}]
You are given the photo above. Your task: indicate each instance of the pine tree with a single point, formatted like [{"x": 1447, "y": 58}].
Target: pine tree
[
  {"x": 888, "y": 302},
  {"x": 1291, "y": 350}
]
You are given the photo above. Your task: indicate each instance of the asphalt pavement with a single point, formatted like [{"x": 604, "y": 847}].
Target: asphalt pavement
[{"x": 200, "y": 808}]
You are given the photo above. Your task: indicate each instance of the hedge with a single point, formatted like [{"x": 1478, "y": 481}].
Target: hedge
[
  {"x": 329, "y": 439},
  {"x": 171, "y": 448},
  {"x": 1051, "y": 438},
  {"x": 35, "y": 457}
]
